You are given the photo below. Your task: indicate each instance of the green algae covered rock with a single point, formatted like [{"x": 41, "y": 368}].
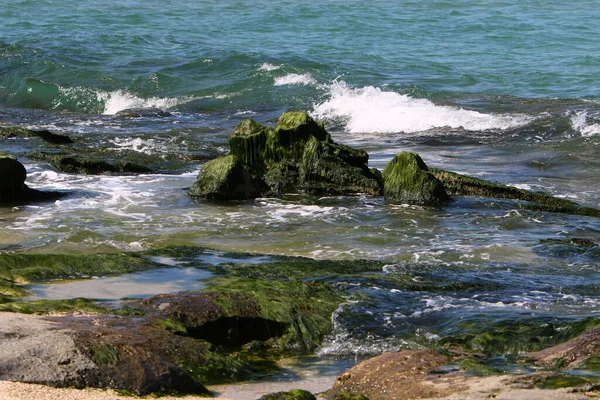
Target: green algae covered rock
[
  {"x": 87, "y": 165},
  {"x": 407, "y": 179},
  {"x": 11, "y": 131},
  {"x": 225, "y": 178},
  {"x": 297, "y": 156},
  {"x": 294, "y": 394}
]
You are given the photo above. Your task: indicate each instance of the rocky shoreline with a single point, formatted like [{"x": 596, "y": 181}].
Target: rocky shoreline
[{"x": 254, "y": 313}]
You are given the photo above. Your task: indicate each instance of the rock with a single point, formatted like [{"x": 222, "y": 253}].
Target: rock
[
  {"x": 402, "y": 375},
  {"x": 17, "y": 131},
  {"x": 12, "y": 174},
  {"x": 294, "y": 394},
  {"x": 582, "y": 352},
  {"x": 462, "y": 185},
  {"x": 12, "y": 183},
  {"x": 53, "y": 138},
  {"x": 297, "y": 156},
  {"x": 143, "y": 112},
  {"x": 86, "y": 165},
  {"x": 407, "y": 179},
  {"x": 225, "y": 178}
]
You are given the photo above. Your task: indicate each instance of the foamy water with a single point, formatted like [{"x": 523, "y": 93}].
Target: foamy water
[{"x": 373, "y": 110}]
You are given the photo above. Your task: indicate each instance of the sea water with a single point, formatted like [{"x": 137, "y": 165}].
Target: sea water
[{"x": 502, "y": 90}]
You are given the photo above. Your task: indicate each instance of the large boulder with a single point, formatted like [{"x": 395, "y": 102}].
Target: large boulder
[
  {"x": 407, "y": 179},
  {"x": 297, "y": 156}
]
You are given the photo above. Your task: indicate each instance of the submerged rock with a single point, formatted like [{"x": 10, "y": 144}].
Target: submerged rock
[
  {"x": 407, "y": 179},
  {"x": 87, "y": 165},
  {"x": 7, "y": 132},
  {"x": 297, "y": 156},
  {"x": 143, "y": 112}
]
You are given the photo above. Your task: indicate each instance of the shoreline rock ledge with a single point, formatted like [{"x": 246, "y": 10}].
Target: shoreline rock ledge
[{"x": 297, "y": 156}]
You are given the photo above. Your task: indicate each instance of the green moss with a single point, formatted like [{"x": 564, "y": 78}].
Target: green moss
[
  {"x": 218, "y": 368},
  {"x": 25, "y": 268},
  {"x": 54, "y": 306},
  {"x": 515, "y": 336},
  {"x": 105, "y": 354},
  {"x": 86, "y": 165},
  {"x": 168, "y": 324},
  {"x": 591, "y": 364},
  {"x": 564, "y": 381},
  {"x": 248, "y": 142},
  {"x": 475, "y": 367},
  {"x": 294, "y": 394},
  {"x": 225, "y": 178},
  {"x": 406, "y": 179},
  {"x": 305, "y": 308}
]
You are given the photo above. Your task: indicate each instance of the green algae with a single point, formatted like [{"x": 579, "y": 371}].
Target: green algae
[
  {"x": 294, "y": 394},
  {"x": 297, "y": 156},
  {"x": 248, "y": 143},
  {"x": 561, "y": 381},
  {"x": 224, "y": 178},
  {"x": 173, "y": 326},
  {"x": 304, "y": 308},
  {"x": 406, "y": 179},
  {"x": 474, "y": 367},
  {"x": 47, "y": 307},
  {"x": 105, "y": 354},
  {"x": 515, "y": 336},
  {"x": 590, "y": 364},
  {"x": 26, "y": 268},
  {"x": 462, "y": 185},
  {"x": 9, "y": 132},
  {"x": 86, "y": 164}
]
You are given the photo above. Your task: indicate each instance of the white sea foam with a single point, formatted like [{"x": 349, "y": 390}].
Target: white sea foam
[
  {"x": 295, "y": 79},
  {"x": 372, "y": 110},
  {"x": 121, "y": 100},
  {"x": 579, "y": 122},
  {"x": 268, "y": 67},
  {"x": 146, "y": 146}
]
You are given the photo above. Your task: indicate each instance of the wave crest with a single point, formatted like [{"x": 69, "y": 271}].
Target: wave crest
[{"x": 372, "y": 110}]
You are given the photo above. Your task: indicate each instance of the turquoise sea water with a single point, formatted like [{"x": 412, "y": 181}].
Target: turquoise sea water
[{"x": 503, "y": 90}]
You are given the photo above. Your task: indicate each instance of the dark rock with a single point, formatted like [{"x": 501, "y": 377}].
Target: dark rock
[
  {"x": 12, "y": 173},
  {"x": 75, "y": 164},
  {"x": 407, "y": 179},
  {"x": 13, "y": 189},
  {"x": 294, "y": 394},
  {"x": 53, "y": 138},
  {"x": 297, "y": 156},
  {"x": 143, "y": 112},
  {"x": 7, "y": 132}
]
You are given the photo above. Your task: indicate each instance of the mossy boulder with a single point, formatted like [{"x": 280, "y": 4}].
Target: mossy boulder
[
  {"x": 407, "y": 179},
  {"x": 297, "y": 156},
  {"x": 225, "y": 178}
]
